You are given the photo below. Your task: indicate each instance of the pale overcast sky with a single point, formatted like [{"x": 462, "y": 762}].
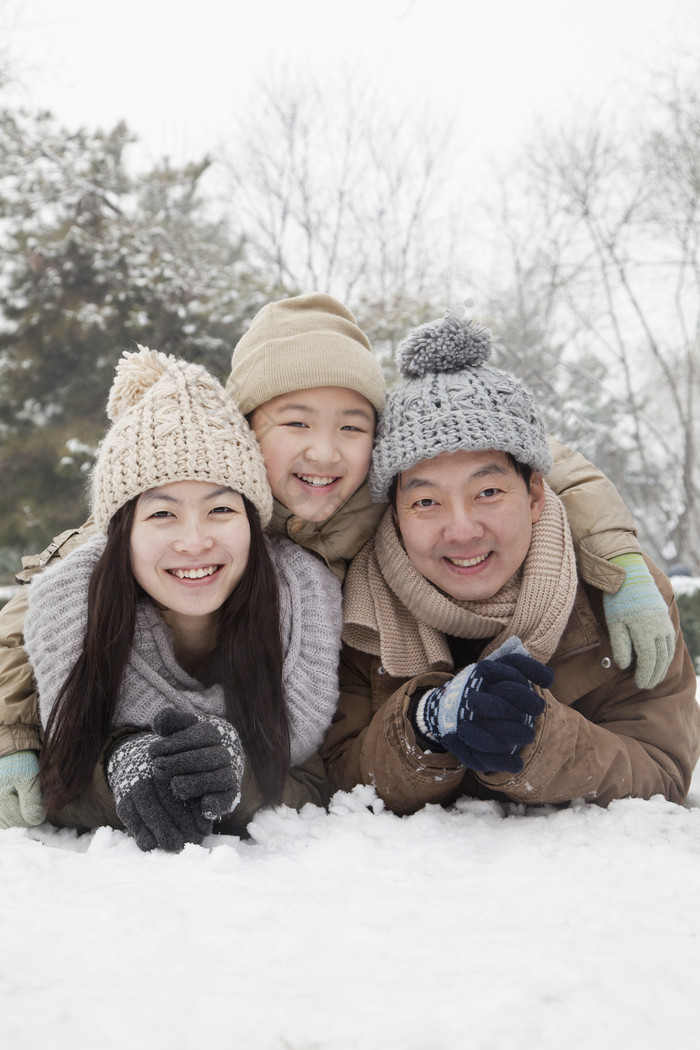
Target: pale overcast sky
[{"x": 177, "y": 71}]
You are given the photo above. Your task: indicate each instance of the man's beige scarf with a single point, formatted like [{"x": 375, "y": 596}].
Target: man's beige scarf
[{"x": 393, "y": 612}]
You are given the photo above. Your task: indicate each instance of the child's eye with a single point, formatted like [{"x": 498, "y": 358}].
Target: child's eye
[
  {"x": 295, "y": 423},
  {"x": 353, "y": 430}
]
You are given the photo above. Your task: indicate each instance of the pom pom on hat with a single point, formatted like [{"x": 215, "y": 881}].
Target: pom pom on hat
[
  {"x": 447, "y": 345},
  {"x": 136, "y": 373}
]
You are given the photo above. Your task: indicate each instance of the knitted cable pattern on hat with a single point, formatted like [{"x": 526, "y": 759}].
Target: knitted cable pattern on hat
[
  {"x": 450, "y": 400},
  {"x": 310, "y": 625},
  {"x": 172, "y": 421}
]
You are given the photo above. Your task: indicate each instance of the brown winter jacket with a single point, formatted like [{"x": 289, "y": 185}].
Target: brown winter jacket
[{"x": 600, "y": 737}]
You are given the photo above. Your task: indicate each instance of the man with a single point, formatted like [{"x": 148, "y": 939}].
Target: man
[{"x": 476, "y": 660}]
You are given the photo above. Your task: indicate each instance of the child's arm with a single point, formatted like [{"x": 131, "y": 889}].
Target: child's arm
[
  {"x": 19, "y": 717},
  {"x": 609, "y": 558},
  {"x": 20, "y": 728}
]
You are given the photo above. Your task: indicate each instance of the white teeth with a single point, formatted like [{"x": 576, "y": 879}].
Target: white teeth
[
  {"x": 193, "y": 574},
  {"x": 466, "y": 563},
  {"x": 315, "y": 480}
]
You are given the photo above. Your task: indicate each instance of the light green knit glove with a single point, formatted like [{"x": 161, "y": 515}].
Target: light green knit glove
[
  {"x": 20, "y": 798},
  {"x": 639, "y": 623}
]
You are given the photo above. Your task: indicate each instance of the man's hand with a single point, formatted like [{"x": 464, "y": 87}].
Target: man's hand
[{"x": 487, "y": 712}]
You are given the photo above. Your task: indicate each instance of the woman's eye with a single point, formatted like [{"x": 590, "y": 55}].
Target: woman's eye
[
  {"x": 295, "y": 423},
  {"x": 161, "y": 514},
  {"x": 426, "y": 502},
  {"x": 222, "y": 510}
]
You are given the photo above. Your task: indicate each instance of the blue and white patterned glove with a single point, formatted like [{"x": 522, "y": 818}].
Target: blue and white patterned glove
[
  {"x": 487, "y": 712},
  {"x": 20, "y": 797},
  {"x": 639, "y": 623}
]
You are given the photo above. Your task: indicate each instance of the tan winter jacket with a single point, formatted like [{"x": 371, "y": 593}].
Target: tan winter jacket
[
  {"x": 337, "y": 540},
  {"x": 600, "y": 737}
]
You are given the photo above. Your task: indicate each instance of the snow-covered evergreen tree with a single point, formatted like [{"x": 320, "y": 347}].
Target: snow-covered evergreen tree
[{"x": 93, "y": 260}]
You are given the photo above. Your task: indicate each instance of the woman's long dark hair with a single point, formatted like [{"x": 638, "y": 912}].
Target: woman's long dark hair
[
  {"x": 247, "y": 662},
  {"x": 81, "y": 718}
]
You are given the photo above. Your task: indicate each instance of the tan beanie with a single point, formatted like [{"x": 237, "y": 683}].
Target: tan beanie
[
  {"x": 301, "y": 343},
  {"x": 172, "y": 421}
]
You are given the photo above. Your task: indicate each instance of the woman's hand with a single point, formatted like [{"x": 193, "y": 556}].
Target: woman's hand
[
  {"x": 201, "y": 758},
  {"x": 146, "y": 804}
]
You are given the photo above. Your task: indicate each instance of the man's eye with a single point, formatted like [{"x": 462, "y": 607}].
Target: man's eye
[{"x": 489, "y": 492}]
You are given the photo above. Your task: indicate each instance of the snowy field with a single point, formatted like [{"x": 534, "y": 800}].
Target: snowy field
[{"x": 484, "y": 927}]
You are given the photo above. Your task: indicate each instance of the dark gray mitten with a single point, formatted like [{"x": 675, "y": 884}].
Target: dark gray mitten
[
  {"x": 201, "y": 758},
  {"x": 146, "y": 805}
]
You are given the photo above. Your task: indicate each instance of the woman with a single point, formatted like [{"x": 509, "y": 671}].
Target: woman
[{"x": 195, "y": 660}]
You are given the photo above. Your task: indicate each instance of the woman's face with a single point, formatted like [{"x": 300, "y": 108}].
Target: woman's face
[{"x": 190, "y": 542}]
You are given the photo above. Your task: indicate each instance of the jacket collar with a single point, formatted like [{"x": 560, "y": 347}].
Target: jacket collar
[{"x": 337, "y": 539}]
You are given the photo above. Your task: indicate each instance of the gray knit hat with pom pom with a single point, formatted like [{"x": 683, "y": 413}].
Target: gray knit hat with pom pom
[
  {"x": 448, "y": 400},
  {"x": 172, "y": 421}
]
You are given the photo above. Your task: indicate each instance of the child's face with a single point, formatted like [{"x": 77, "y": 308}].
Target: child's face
[{"x": 317, "y": 445}]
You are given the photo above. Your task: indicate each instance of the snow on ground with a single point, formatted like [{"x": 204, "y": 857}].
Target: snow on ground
[
  {"x": 685, "y": 584},
  {"x": 482, "y": 926}
]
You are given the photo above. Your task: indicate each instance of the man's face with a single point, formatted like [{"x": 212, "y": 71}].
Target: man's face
[
  {"x": 466, "y": 519},
  {"x": 317, "y": 445}
]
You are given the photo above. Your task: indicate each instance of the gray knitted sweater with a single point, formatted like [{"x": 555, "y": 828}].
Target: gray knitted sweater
[{"x": 310, "y": 623}]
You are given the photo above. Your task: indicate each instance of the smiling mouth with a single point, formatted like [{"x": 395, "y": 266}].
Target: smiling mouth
[
  {"x": 317, "y": 481},
  {"x": 468, "y": 563},
  {"x": 194, "y": 574}
]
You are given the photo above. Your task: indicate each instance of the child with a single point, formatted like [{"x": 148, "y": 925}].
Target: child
[
  {"x": 196, "y": 661},
  {"x": 305, "y": 377}
]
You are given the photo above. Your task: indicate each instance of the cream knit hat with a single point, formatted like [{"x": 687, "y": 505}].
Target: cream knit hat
[
  {"x": 301, "y": 343},
  {"x": 172, "y": 421}
]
